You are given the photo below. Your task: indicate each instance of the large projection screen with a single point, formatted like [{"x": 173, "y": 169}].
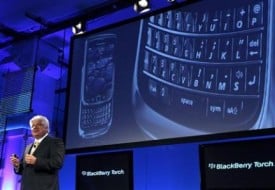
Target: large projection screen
[{"x": 193, "y": 70}]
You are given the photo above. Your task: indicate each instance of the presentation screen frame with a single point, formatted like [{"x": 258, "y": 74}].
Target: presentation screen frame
[
  {"x": 240, "y": 164},
  {"x": 128, "y": 89},
  {"x": 105, "y": 171}
]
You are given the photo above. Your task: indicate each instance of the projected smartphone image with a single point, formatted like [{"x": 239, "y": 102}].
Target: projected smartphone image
[
  {"x": 97, "y": 86},
  {"x": 205, "y": 70}
]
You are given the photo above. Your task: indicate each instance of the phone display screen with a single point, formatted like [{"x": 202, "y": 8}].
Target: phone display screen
[{"x": 99, "y": 69}]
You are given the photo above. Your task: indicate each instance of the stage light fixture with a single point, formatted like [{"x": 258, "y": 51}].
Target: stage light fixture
[
  {"x": 79, "y": 28},
  {"x": 142, "y": 6}
]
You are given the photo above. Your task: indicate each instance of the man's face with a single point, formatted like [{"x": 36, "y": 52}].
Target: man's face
[{"x": 38, "y": 129}]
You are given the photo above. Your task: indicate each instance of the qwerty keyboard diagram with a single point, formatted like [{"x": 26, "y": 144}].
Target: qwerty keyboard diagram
[{"x": 203, "y": 68}]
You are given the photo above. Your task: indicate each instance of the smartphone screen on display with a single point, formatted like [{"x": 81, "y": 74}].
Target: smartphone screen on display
[{"x": 97, "y": 88}]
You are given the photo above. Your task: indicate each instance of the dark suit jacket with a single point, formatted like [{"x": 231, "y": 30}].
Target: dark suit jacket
[{"x": 44, "y": 174}]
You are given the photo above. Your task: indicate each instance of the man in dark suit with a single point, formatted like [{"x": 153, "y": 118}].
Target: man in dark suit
[{"x": 42, "y": 159}]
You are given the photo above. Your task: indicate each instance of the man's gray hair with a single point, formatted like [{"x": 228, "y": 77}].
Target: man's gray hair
[{"x": 44, "y": 119}]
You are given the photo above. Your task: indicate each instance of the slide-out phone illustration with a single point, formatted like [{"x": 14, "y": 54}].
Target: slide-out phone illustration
[{"x": 97, "y": 86}]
